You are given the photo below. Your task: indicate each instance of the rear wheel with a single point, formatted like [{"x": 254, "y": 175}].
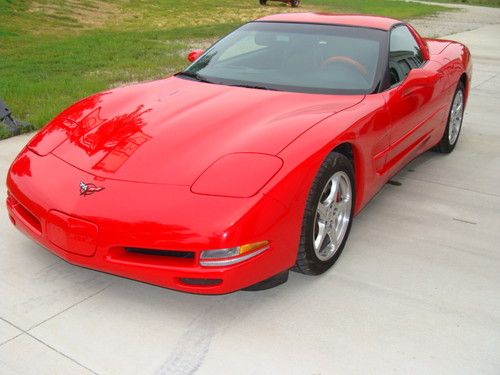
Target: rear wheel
[
  {"x": 295, "y": 3},
  {"x": 263, "y": 2},
  {"x": 328, "y": 216},
  {"x": 454, "y": 125}
]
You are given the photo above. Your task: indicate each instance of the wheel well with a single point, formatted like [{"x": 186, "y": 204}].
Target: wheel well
[
  {"x": 351, "y": 153},
  {"x": 463, "y": 79},
  {"x": 346, "y": 150}
]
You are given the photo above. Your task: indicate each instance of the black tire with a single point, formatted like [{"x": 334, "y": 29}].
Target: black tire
[
  {"x": 295, "y": 3},
  {"x": 263, "y": 2},
  {"x": 307, "y": 260},
  {"x": 445, "y": 146}
]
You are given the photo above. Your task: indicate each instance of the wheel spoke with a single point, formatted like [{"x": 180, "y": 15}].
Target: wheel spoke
[
  {"x": 333, "y": 191},
  {"x": 343, "y": 206},
  {"x": 320, "y": 237},
  {"x": 333, "y": 236}
]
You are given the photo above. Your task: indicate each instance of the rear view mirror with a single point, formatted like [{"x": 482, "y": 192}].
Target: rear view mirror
[{"x": 194, "y": 54}]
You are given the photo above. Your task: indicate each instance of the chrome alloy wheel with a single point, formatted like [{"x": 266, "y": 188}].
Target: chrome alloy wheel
[
  {"x": 332, "y": 216},
  {"x": 456, "y": 114}
]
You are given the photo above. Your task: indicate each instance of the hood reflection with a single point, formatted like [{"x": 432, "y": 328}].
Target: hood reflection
[{"x": 118, "y": 137}]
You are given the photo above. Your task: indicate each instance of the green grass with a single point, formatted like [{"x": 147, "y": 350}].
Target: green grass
[
  {"x": 53, "y": 52},
  {"x": 487, "y": 3},
  {"x": 3, "y": 133}
]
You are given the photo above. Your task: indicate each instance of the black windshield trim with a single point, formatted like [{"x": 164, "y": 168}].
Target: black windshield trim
[
  {"x": 324, "y": 24},
  {"x": 284, "y": 88}
]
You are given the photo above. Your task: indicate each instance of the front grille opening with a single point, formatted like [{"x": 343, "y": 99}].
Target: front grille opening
[
  {"x": 165, "y": 253},
  {"x": 27, "y": 217},
  {"x": 200, "y": 282}
]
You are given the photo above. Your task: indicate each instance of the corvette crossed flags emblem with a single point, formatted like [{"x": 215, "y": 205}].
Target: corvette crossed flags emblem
[{"x": 88, "y": 189}]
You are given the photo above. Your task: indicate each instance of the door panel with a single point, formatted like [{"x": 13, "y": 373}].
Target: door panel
[
  {"x": 415, "y": 110},
  {"x": 413, "y": 100}
]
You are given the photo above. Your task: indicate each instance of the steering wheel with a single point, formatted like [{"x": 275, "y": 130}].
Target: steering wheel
[{"x": 345, "y": 59}]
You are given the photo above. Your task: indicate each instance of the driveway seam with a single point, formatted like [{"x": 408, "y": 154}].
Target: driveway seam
[
  {"x": 485, "y": 81},
  {"x": 451, "y": 186},
  {"x": 12, "y": 338},
  {"x": 422, "y": 300},
  {"x": 67, "y": 308},
  {"x": 61, "y": 353},
  {"x": 12, "y": 324},
  {"x": 23, "y": 331}
]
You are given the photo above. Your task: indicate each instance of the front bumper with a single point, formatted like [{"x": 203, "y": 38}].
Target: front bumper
[{"x": 97, "y": 231}]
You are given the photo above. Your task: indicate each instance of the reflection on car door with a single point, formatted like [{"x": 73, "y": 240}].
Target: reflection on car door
[{"x": 411, "y": 106}]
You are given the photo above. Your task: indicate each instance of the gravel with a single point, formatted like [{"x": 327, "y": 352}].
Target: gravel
[{"x": 460, "y": 18}]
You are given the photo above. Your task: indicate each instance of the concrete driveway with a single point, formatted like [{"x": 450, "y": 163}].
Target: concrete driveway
[{"x": 417, "y": 289}]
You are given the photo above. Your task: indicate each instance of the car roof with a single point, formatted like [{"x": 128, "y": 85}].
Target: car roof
[{"x": 356, "y": 20}]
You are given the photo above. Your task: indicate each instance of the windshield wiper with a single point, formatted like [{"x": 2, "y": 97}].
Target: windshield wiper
[
  {"x": 196, "y": 76},
  {"x": 255, "y": 87},
  {"x": 200, "y": 78}
]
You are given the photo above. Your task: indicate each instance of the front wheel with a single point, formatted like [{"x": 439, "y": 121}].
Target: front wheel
[
  {"x": 454, "y": 125},
  {"x": 295, "y": 3},
  {"x": 263, "y": 2},
  {"x": 327, "y": 217}
]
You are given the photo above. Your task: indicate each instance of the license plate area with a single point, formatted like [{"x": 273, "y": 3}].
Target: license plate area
[{"x": 72, "y": 234}]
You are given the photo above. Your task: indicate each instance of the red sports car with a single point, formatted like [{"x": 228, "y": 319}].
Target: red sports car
[{"x": 251, "y": 162}]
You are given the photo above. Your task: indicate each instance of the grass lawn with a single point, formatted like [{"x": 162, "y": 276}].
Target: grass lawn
[
  {"x": 53, "y": 52},
  {"x": 487, "y": 3}
]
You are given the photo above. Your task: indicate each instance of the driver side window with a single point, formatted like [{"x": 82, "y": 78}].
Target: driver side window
[{"x": 404, "y": 54}]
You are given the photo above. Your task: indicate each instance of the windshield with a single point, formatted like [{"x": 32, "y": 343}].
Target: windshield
[{"x": 295, "y": 57}]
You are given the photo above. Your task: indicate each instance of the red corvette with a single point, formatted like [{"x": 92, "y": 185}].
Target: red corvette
[{"x": 251, "y": 162}]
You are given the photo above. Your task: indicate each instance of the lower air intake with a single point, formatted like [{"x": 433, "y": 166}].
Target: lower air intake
[
  {"x": 164, "y": 253},
  {"x": 200, "y": 282}
]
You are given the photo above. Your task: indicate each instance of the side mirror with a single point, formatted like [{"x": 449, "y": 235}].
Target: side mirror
[{"x": 193, "y": 55}]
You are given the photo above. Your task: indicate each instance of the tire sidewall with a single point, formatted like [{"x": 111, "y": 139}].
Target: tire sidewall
[
  {"x": 445, "y": 145},
  {"x": 335, "y": 162}
]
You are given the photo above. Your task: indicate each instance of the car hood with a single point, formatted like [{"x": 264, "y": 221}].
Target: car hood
[{"x": 169, "y": 131}]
